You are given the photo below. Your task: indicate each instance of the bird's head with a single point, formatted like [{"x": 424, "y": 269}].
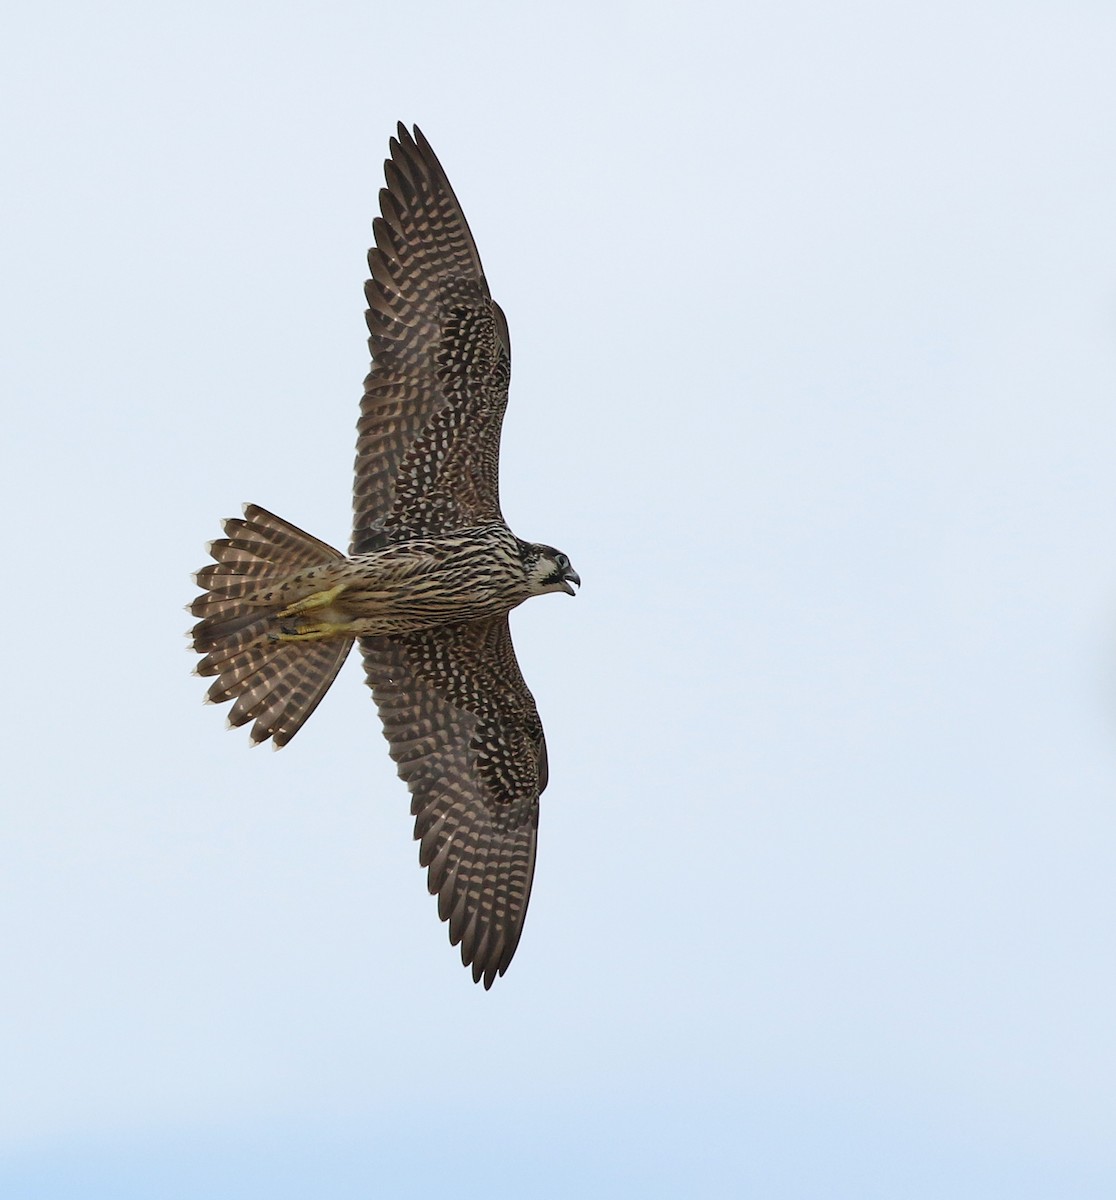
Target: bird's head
[{"x": 548, "y": 570}]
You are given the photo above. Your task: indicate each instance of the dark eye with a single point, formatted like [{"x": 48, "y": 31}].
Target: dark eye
[{"x": 562, "y": 561}]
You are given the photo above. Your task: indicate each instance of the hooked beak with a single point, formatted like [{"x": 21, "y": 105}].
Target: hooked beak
[{"x": 569, "y": 575}]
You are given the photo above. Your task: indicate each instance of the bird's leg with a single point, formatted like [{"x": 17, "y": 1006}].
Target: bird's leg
[
  {"x": 298, "y": 632},
  {"x": 310, "y": 631},
  {"x": 316, "y": 600}
]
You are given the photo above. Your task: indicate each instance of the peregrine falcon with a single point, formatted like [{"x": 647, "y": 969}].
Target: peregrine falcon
[{"x": 431, "y": 575}]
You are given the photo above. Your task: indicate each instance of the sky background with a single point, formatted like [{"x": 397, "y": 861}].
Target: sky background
[{"x": 813, "y": 308}]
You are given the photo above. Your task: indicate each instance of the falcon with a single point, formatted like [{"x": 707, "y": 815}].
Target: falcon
[{"x": 432, "y": 572}]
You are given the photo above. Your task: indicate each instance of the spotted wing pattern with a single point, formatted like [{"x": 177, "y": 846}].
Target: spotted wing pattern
[
  {"x": 467, "y": 739},
  {"x": 429, "y": 432}
]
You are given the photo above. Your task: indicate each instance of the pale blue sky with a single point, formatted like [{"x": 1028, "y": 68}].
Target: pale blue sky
[{"x": 813, "y": 311}]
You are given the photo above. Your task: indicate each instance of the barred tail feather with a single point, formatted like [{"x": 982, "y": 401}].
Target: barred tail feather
[{"x": 276, "y": 684}]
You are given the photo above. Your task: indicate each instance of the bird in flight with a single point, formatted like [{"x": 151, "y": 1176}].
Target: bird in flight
[{"x": 431, "y": 575}]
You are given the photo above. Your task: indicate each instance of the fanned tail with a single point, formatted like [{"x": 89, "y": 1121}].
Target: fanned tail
[{"x": 278, "y": 684}]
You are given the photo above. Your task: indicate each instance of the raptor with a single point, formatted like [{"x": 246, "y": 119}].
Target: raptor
[{"x": 432, "y": 572}]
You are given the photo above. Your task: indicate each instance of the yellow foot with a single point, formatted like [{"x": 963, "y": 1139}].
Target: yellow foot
[
  {"x": 317, "y": 600},
  {"x": 298, "y": 632}
]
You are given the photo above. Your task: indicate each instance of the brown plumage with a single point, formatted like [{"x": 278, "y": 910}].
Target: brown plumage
[{"x": 433, "y": 572}]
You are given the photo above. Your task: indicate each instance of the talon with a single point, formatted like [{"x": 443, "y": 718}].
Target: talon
[
  {"x": 309, "y": 633},
  {"x": 317, "y": 600}
]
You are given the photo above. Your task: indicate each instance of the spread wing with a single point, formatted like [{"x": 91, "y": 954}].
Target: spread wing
[
  {"x": 428, "y": 440},
  {"x": 467, "y": 739}
]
